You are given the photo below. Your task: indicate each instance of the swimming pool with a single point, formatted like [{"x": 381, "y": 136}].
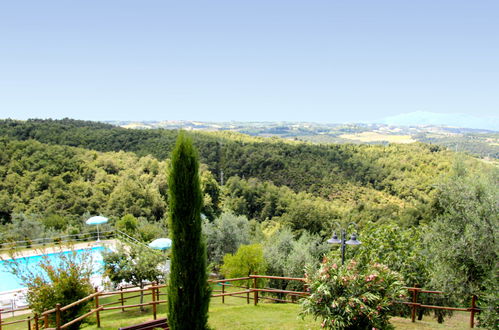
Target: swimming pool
[{"x": 10, "y": 282}]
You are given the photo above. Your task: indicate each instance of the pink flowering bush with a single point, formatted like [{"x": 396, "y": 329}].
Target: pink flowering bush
[{"x": 352, "y": 297}]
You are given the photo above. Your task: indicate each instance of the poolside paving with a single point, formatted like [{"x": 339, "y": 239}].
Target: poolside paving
[{"x": 55, "y": 249}]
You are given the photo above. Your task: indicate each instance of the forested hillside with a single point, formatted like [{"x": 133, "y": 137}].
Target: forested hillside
[
  {"x": 305, "y": 186},
  {"x": 302, "y": 167},
  {"x": 41, "y": 181}
]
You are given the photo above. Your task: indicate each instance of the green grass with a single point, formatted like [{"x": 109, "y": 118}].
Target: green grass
[{"x": 237, "y": 314}]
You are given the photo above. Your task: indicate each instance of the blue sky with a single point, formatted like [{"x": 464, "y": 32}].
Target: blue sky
[{"x": 323, "y": 61}]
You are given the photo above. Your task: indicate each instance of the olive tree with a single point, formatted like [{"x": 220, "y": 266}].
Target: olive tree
[{"x": 462, "y": 240}]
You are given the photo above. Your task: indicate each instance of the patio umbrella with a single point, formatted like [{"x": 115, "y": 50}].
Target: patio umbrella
[
  {"x": 97, "y": 220},
  {"x": 161, "y": 244}
]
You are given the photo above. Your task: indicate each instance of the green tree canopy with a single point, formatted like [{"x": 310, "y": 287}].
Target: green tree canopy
[
  {"x": 248, "y": 260},
  {"x": 135, "y": 264},
  {"x": 462, "y": 241}
]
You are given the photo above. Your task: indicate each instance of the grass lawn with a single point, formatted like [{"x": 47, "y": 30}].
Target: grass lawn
[{"x": 237, "y": 314}]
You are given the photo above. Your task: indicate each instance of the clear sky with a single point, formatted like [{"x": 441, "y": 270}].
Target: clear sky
[{"x": 269, "y": 60}]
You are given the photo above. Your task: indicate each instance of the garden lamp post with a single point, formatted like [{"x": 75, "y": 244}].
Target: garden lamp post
[{"x": 352, "y": 241}]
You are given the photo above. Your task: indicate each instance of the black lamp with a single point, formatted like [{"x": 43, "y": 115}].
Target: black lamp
[{"x": 352, "y": 241}]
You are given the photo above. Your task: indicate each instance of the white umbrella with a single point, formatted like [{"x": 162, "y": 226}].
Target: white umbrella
[
  {"x": 97, "y": 220},
  {"x": 161, "y": 244}
]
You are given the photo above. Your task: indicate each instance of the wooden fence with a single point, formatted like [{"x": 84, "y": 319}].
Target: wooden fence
[
  {"x": 255, "y": 290},
  {"x": 251, "y": 288},
  {"x": 415, "y": 292},
  {"x": 43, "y": 320}
]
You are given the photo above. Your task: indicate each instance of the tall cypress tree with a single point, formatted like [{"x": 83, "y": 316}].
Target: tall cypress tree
[{"x": 188, "y": 290}]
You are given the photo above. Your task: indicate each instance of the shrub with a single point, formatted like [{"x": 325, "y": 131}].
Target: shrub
[
  {"x": 55, "y": 221},
  {"x": 134, "y": 264},
  {"x": 248, "y": 260},
  {"x": 224, "y": 235},
  {"x": 288, "y": 257},
  {"x": 128, "y": 224},
  {"x": 351, "y": 297}
]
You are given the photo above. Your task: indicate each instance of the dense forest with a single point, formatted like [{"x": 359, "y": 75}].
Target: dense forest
[
  {"x": 263, "y": 178},
  {"x": 289, "y": 195},
  {"x": 117, "y": 171}
]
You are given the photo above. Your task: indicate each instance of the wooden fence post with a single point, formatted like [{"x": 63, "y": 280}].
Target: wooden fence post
[
  {"x": 36, "y": 321},
  {"x": 45, "y": 321},
  {"x": 122, "y": 300},
  {"x": 153, "y": 294},
  {"x": 255, "y": 286},
  {"x": 97, "y": 314},
  {"x": 247, "y": 293},
  {"x": 473, "y": 307},
  {"x": 414, "y": 301},
  {"x": 58, "y": 316},
  {"x": 29, "y": 323}
]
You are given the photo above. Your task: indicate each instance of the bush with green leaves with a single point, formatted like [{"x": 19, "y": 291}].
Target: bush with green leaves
[
  {"x": 23, "y": 228},
  {"x": 135, "y": 264},
  {"x": 248, "y": 260},
  {"x": 400, "y": 249},
  {"x": 288, "y": 256},
  {"x": 60, "y": 281},
  {"x": 352, "y": 297},
  {"x": 224, "y": 235},
  {"x": 127, "y": 224},
  {"x": 140, "y": 229}
]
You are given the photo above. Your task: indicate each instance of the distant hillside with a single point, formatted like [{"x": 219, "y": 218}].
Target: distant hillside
[
  {"x": 477, "y": 142},
  {"x": 425, "y": 118}
]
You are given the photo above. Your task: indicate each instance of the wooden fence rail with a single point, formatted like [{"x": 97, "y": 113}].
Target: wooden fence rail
[{"x": 473, "y": 309}]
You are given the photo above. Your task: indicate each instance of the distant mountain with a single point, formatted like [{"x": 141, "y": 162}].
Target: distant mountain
[{"x": 424, "y": 118}]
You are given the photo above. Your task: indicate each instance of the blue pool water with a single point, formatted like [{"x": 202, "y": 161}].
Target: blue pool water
[{"x": 10, "y": 282}]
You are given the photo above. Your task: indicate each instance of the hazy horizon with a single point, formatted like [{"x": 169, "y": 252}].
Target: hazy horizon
[{"x": 417, "y": 118}]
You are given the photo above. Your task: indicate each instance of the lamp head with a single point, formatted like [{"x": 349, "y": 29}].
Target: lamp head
[
  {"x": 353, "y": 240},
  {"x": 334, "y": 240}
]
